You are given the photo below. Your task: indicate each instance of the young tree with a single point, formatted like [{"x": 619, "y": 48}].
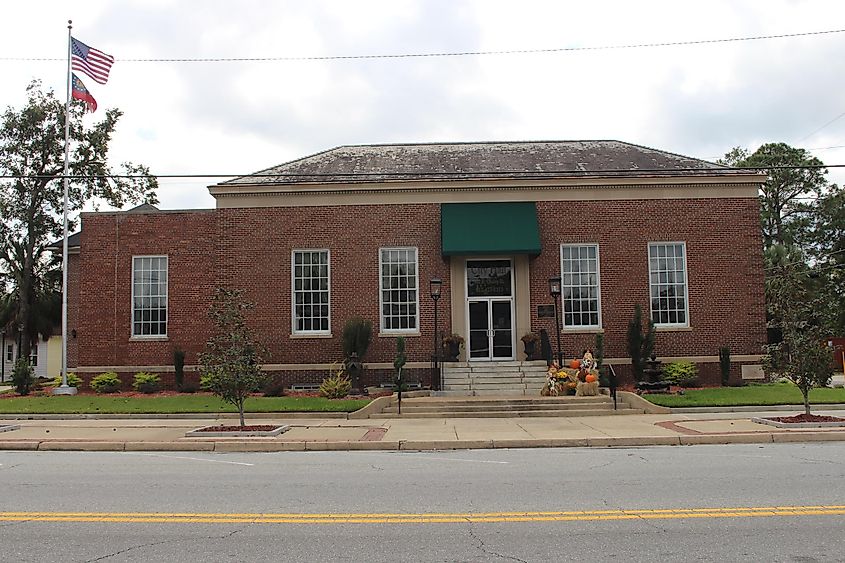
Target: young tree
[
  {"x": 802, "y": 355},
  {"x": 31, "y": 199},
  {"x": 230, "y": 366}
]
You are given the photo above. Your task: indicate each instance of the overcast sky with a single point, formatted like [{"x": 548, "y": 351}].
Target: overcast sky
[{"x": 237, "y": 117}]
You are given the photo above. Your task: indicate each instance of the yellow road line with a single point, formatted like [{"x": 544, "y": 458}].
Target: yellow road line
[{"x": 424, "y": 518}]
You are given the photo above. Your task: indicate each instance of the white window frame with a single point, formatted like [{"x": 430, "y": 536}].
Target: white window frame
[
  {"x": 33, "y": 355},
  {"x": 563, "y": 286},
  {"x": 652, "y": 283},
  {"x": 293, "y": 328},
  {"x": 382, "y": 289},
  {"x": 166, "y": 299}
]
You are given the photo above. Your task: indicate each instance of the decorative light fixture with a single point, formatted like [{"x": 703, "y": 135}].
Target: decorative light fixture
[
  {"x": 554, "y": 290},
  {"x": 435, "y": 286}
]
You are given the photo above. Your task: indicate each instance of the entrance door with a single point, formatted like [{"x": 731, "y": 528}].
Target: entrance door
[{"x": 490, "y": 309}]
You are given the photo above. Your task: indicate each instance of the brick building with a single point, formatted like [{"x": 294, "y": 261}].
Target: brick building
[{"x": 361, "y": 230}]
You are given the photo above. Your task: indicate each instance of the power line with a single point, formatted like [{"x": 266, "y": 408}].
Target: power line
[
  {"x": 837, "y": 118},
  {"x": 457, "y": 53}
]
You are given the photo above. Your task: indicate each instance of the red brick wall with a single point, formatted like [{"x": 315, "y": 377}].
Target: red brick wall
[
  {"x": 255, "y": 254},
  {"x": 109, "y": 241},
  {"x": 251, "y": 249},
  {"x": 724, "y": 270}
]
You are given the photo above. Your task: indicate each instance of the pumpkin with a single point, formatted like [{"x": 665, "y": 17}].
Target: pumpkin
[
  {"x": 574, "y": 364},
  {"x": 590, "y": 378}
]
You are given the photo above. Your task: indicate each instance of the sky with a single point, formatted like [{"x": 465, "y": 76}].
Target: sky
[{"x": 229, "y": 118}]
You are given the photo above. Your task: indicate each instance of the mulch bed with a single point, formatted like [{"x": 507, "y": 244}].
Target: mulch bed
[
  {"x": 799, "y": 418},
  {"x": 236, "y": 428}
]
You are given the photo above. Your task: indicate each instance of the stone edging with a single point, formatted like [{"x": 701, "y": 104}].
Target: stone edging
[{"x": 779, "y": 424}]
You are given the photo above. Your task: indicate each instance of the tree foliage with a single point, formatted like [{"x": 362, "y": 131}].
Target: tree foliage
[
  {"x": 796, "y": 305},
  {"x": 786, "y": 197},
  {"x": 230, "y": 366},
  {"x": 801, "y": 214},
  {"x": 31, "y": 198}
]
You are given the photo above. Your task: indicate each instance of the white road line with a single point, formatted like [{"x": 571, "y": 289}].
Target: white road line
[
  {"x": 423, "y": 455},
  {"x": 191, "y": 458},
  {"x": 468, "y": 460}
]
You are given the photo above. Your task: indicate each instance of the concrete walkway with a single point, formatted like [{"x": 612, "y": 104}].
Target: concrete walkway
[{"x": 156, "y": 434}]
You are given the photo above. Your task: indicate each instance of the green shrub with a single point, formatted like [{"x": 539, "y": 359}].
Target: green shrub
[
  {"x": 179, "y": 368},
  {"x": 23, "y": 376},
  {"x": 107, "y": 382},
  {"x": 336, "y": 386},
  {"x": 73, "y": 380},
  {"x": 725, "y": 364},
  {"x": 189, "y": 387},
  {"x": 683, "y": 374},
  {"x": 357, "y": 334},
  {"x": 273, "y": 388},
  {"x": 146, "y": 382}
]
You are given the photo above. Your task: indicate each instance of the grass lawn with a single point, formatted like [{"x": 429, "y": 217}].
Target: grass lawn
[
  {"x": 200, "y": 403},
  {"x": 756, "y": 394}
]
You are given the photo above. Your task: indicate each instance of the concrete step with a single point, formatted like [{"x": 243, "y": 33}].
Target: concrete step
[
  {"x": 513, "y": 402},
  {"x": 521, "y": 408}
]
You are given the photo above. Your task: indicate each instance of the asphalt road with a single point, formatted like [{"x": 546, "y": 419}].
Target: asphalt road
[{"x": 569, "y": 504}]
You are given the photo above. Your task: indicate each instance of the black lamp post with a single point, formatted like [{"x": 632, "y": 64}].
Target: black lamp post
[
  {"x": 554, "y": 290},
  {"x": 20, "y": 341},
  {"x": 3, "y": 356},
  {"x": 434, "y": 287}
]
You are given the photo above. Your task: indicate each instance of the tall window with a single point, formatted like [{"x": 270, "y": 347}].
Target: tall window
[
  {"x": 10, "y": 353},
  {"x": 311, "y": 291},
  {"x": 149, "y": 296},
  {"x": 399, "y": 289},
  {"x": 33, "y": 355},
  {"x": 667, "y": 265},
  {"x": 579, "y": 266}
]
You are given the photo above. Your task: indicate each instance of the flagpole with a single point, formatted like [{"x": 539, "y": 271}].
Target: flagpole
[{"x": 64, "y": 389}]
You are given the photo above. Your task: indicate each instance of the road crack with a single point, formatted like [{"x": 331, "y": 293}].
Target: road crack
[
  {"x": 154, "y": 544},
  {"x": 483, "y": 548}
]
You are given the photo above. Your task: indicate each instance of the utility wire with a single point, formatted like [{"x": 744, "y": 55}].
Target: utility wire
[
  {"x": 837, "y": 118},
  {"x": 457, "y": 53}
]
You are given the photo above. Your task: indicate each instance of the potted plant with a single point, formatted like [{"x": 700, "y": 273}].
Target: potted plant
[
  {"x": 530, "y": 340},
  {"x": 452, "y": 347}
]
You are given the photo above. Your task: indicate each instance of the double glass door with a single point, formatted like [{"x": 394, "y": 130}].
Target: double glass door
[{"x": 490, "y": 309}]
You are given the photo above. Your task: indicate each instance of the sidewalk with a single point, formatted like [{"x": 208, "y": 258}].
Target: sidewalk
[{"x": 157, "y": 434}]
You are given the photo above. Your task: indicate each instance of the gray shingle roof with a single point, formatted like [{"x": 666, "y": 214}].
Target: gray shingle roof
[{"x": 509, "y": 160}]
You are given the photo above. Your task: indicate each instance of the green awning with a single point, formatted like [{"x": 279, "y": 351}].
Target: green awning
[{"x": 489, "y": 228}]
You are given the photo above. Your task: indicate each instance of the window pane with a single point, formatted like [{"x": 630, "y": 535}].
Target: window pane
[
  {"x": 667, "y": 278},
  {"x": 149, "y": 296},
  {"x": 311, "y": 290},
  {"x": 398, "y": 289},
  {"x": 580, "y": 285}
]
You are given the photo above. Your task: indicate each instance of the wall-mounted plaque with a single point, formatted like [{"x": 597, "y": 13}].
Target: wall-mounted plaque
[{"x": 546, "y": 311}]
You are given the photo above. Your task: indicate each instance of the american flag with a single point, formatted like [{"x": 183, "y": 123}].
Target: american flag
[{"x": 92, "y": 62}]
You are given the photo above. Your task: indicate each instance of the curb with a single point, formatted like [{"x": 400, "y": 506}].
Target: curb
[
  {"x": 176, "y": 416},
  {"x": 230, "y": 446},
  {"x": 756, "y": 408}
]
